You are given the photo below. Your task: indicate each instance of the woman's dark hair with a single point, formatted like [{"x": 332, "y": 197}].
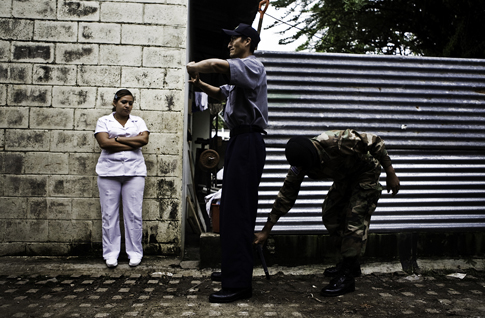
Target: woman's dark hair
[{"x": 119, "y": 94}]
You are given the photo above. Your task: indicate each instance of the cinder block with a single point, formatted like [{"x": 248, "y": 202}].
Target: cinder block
[
  {"x": 99, "y": 76},
  {"x": 5, "y": 8},
  {"x": 96, "y": 230},
  {"x": 122, "y": 12},
  {"x": 14, "y": 117},
  {"x": 59, "y": 209},
  {"x": 143, "y": 35},
  {"x": 27, "y": 140},
  {"x": 71, "y": 141},
  {"x": 174, "y": 36},
  {"x": 78, "y": 10},
  {"x": 32, "y": 52},
  {"x": 163, "y": 57},
  {"x": 77, "y": 53},
  {"x": 13, "y": 208},
  {"x": 29, "y": 95},
  {"x": 161, "y": 231},
  {"x": 13, "y": 162},
  {"x": 70, "y": 186},
  {"x": 86, "y": 119},
  {"x": 86, "y": 209},
  {"x": 15, "y": 73},
  {"x": 46, "y": 163},
  {"x": 151, "y": 163},
  {"x": 123, "y": 55},
  {"x": 83, "y": 163},
  {"x": 21, "y": 186},
  {"x": 37, "y": 208},
  {"x": 4, "y": 50},
  {"x": 210, "y": 250},
  {"x": 175, "y": 78},
  {"x": 164, "y": 100},
  {"x": 55, "y": 31},
  {"x": 151, "y": 210},
  {"x": 169, "y": 187},
  {"x": 161, "y": 100},
  {"x": 100, "y": 32},
  {"x": 163, "y": 143},
  {"x": 106, "y": 95},
  {"x": 172, "y": 122},
  {"x": 165, "y": 14},
  {"x": 143, "y": 77},
  {"x": 169, "y": 166},
  {"x": 16, "y": 29},
  {"x": 51, "y": 118},
  {"x": 73, "y": 97},
  {"x": 3, "y": 94},
  {"x": 55, "y": 74},
  {"x": 69, "y": 231},
  {"x": 47, "y": 249},
  {"x": 171, "y": 209},
  {"x": 11, "y": 248},
  {"x": 34, "y": 9},
  {"x": 181, "y": 2}
]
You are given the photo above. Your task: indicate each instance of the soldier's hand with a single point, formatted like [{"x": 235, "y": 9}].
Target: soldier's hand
[
  {"x": 260, "y": 238},
  {"x": 392, "y": 183}
]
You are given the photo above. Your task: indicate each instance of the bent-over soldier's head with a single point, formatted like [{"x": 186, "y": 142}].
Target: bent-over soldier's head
[{"x": 300, "y": 152}]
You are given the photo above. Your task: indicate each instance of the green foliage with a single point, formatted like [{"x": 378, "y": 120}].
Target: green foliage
[{"x": 444, "y": 28}]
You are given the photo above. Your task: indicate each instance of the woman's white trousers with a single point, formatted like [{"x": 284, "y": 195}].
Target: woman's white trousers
[{"x": 130, "y": 191}]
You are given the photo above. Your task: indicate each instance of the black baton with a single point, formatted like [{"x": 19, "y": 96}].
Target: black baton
[{"x": 261, "y": 257}]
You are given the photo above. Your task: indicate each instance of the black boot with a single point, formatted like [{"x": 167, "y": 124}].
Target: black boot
[
  {"x": 342, "y": 284},
  {"x": 334, "y": 271}
]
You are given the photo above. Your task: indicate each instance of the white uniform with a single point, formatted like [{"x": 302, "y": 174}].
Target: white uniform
[{"x": 121, "y": 174}]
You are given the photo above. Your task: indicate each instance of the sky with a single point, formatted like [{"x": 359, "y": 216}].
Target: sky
[{"x": 270, "y": 37}]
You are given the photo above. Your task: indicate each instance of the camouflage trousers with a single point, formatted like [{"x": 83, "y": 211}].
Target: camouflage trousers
[{"x": 347, "y": 211}]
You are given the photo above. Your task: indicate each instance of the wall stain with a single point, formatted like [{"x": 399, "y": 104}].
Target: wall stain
[
  {"x": 79, "y": 10},
  {"x": 45, "y": 74},
  {"x": 22, "y": 52},
  {"x": 166, "y": 188},
  {"x": 35, "y": 96},
  {"x": 87, "y": 33},
  {"x": 70, "y": 56},
  {"x": 170, "y": 101}
]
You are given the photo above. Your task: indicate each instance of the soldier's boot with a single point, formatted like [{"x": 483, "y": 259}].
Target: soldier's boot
[
  {"x": 334, "y": 271},
  {"x": 343, "y": 283}
]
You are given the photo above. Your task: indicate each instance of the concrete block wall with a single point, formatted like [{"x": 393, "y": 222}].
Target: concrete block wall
[{"x": 60, "y": 64}]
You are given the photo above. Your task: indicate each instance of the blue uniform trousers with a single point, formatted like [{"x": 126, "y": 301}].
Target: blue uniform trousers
[{"x": 243, "y": 167}]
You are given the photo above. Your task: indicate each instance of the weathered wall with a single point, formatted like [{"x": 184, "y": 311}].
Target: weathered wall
[{"x": 60, "y": 64}]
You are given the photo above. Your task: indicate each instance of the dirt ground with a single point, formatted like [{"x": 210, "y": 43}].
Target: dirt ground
[{"x": 433, "y": 294}]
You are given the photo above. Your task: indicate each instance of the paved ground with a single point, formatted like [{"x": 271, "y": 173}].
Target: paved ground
[{"x": 166, "y": 287}]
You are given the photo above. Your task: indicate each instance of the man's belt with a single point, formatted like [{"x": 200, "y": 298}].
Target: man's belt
[{"x": 246, "y": 129}]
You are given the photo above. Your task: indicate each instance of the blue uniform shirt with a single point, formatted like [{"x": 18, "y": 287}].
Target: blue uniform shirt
[{"x": 246, "y": 93}]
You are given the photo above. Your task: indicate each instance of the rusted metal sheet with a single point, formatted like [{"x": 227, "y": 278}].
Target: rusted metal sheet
[{"x": 430, "y": 112}]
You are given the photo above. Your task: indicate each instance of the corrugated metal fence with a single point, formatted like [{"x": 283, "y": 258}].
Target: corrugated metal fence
[{"x": 429, "y": 111}]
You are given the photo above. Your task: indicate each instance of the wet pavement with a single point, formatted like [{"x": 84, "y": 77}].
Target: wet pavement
[{"x": 167, "y": 287}]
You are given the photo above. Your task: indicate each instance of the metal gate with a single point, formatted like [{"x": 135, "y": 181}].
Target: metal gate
[{"x": 429, "y": 111}]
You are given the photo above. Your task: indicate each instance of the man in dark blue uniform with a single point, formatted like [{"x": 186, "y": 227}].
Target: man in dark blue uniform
[{"x": 246, "y": 115}]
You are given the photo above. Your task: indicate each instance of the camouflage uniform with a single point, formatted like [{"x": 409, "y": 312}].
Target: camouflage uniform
[{"x": 353, "y": 161}]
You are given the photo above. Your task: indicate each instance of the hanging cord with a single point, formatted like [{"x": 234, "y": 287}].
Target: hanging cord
[{"x": 263, "y": 12}]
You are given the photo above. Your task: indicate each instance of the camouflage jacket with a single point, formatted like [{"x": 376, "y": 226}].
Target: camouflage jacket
[{"x": 346, "y": 156}]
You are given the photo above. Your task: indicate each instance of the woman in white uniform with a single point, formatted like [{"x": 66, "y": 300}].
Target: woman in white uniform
[{"x": 121, "y": 173}]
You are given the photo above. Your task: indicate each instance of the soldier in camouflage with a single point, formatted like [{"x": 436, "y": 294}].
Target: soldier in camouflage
[{"x": 353, "y": 161}]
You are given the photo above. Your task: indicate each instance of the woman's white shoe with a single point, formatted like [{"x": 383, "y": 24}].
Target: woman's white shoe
[
  {"x": 111, "y": 262},
  {"x": 135, "y": 261}
]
